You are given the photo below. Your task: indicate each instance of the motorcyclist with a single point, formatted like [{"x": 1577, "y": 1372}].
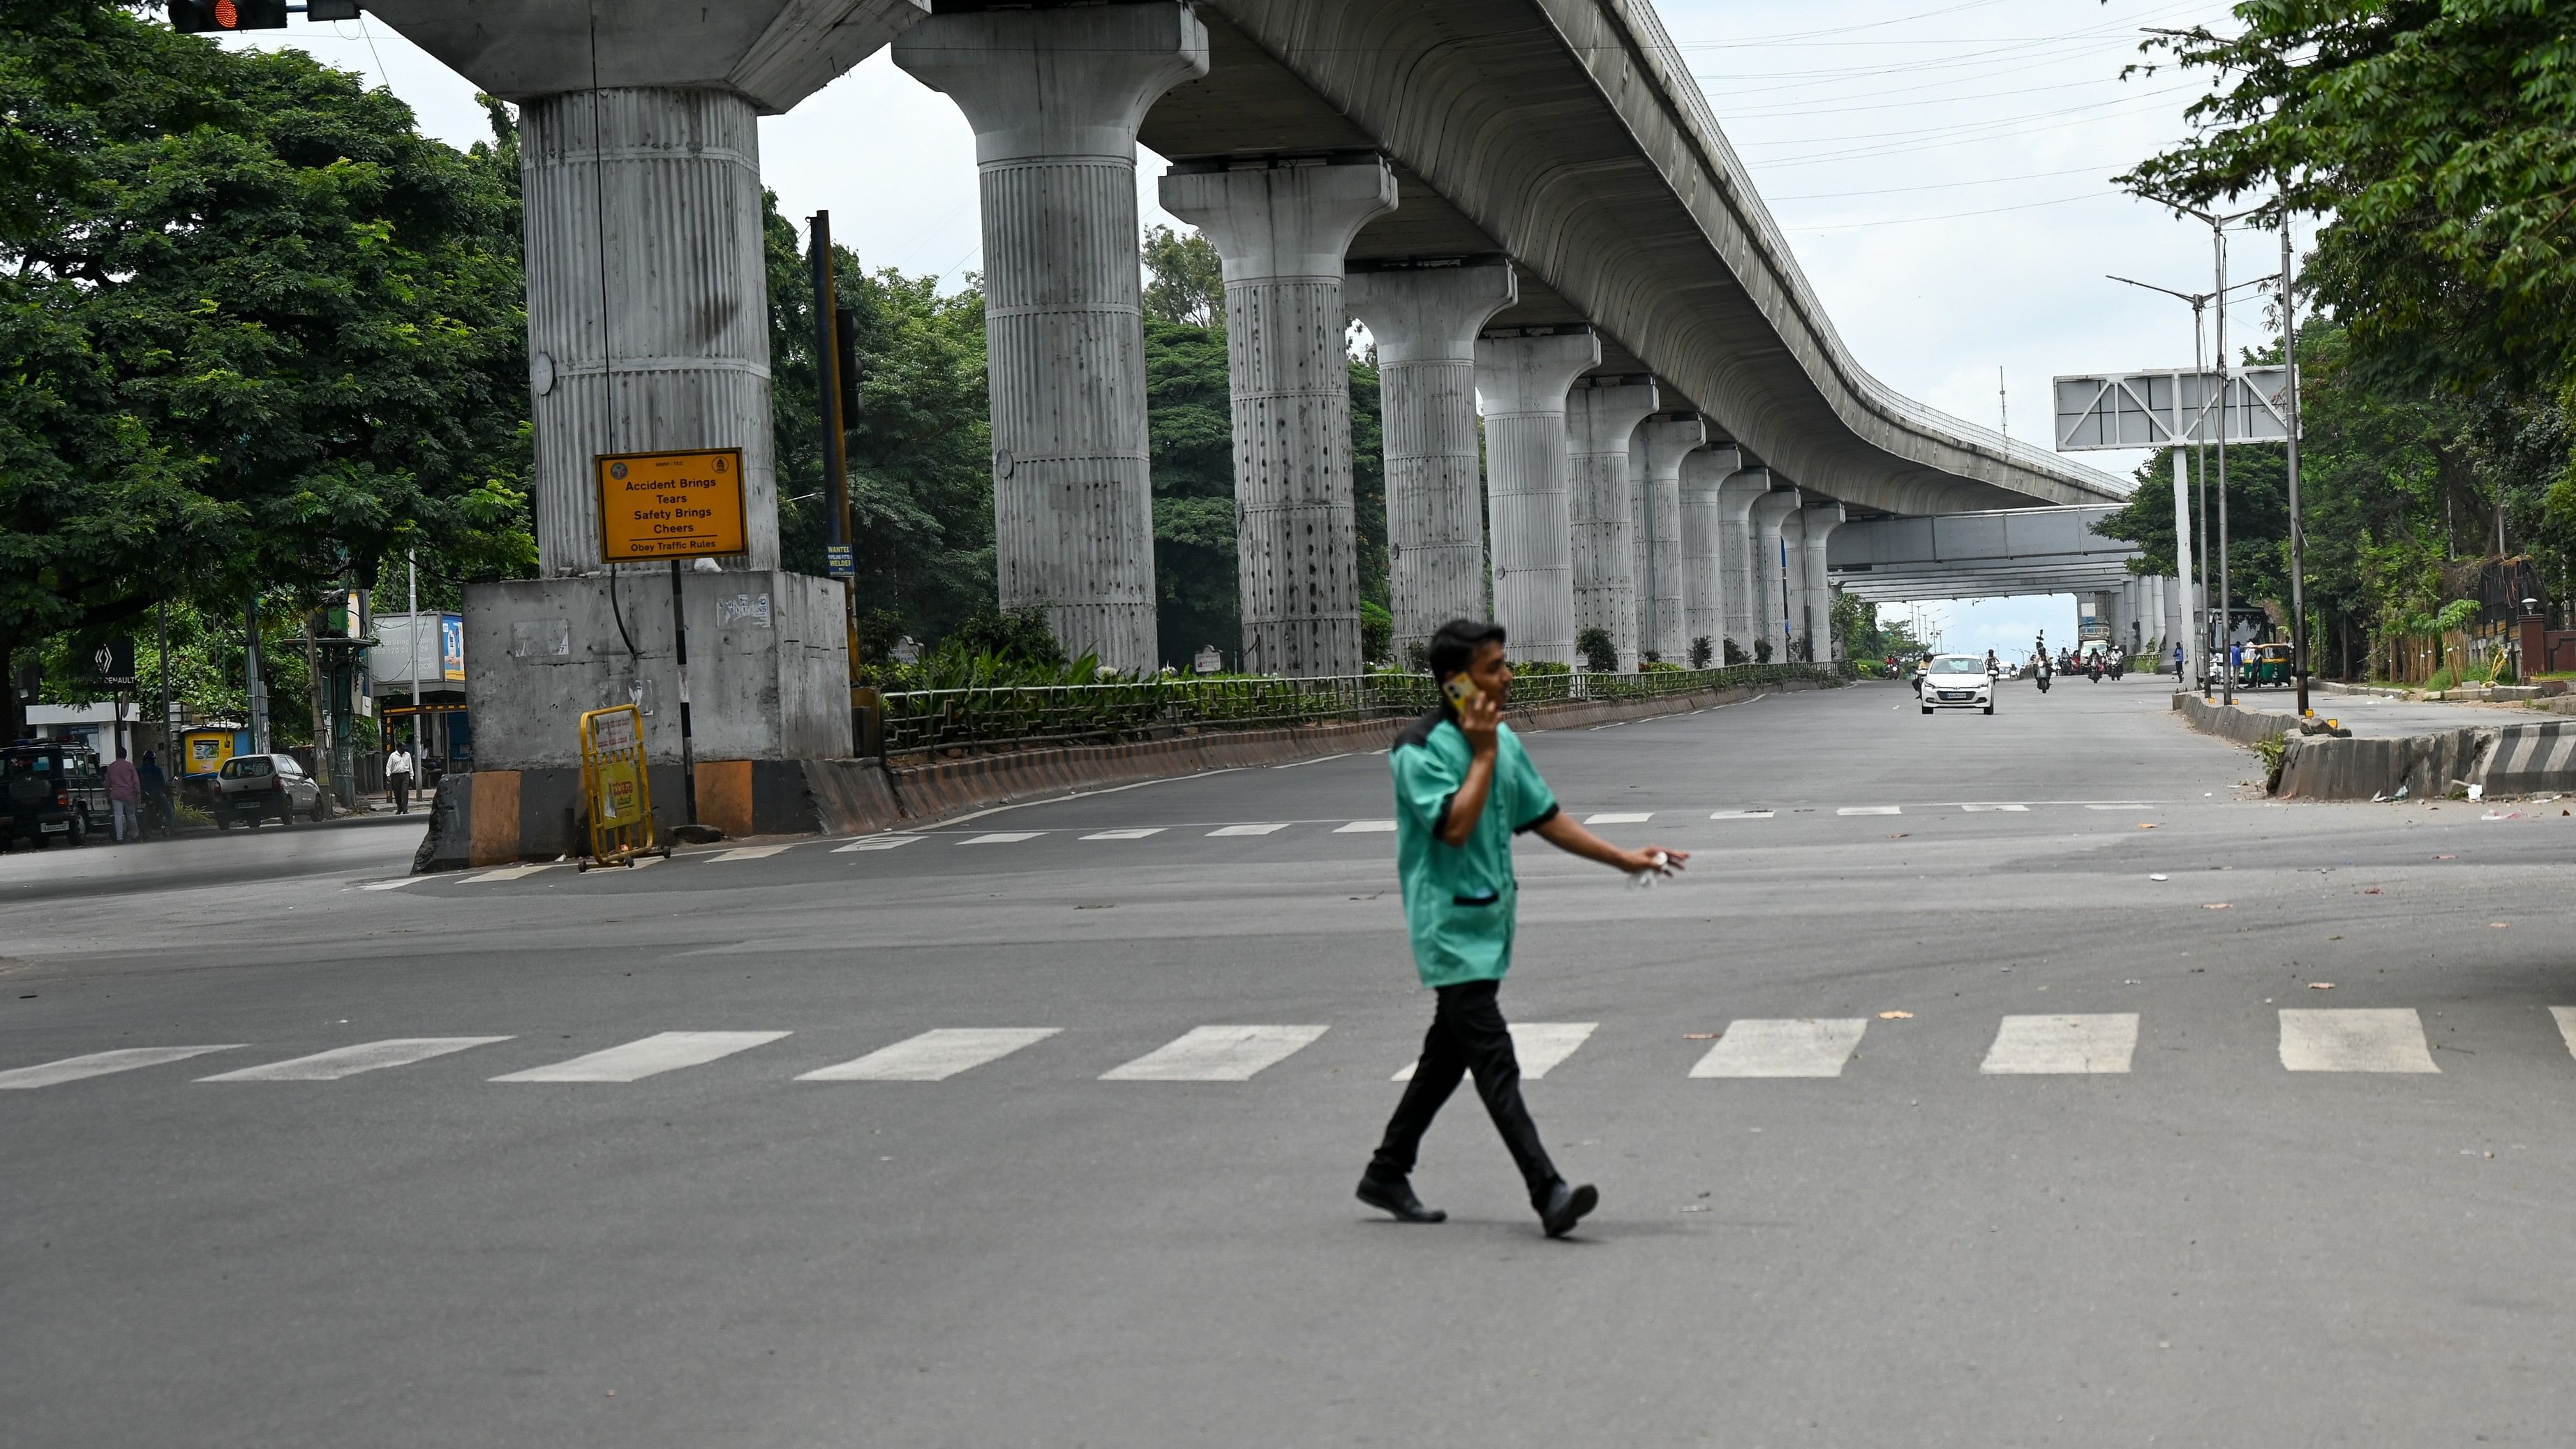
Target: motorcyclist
[{"x": 156, "y": 794}]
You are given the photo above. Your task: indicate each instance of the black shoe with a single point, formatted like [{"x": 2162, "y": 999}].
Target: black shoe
[
  {"x": 1566, "y": 1206},
  {"x": 1397, "y": 1199}
]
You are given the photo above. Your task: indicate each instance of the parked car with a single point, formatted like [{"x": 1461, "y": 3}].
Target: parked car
[
  {"x": 1958, "y": 681},
  {"x": 252, "y": 788},
  {"x": 51, "y": 790}
]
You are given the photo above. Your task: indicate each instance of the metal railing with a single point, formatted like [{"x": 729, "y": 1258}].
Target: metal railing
[{"x": 938, "y": 719}]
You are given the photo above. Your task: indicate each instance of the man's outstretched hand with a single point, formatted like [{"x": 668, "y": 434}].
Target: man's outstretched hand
[{"x": 1662, "y": 860}]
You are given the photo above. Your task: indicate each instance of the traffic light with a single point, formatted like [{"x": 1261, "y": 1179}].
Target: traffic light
[{"x": 192, "y": 17}]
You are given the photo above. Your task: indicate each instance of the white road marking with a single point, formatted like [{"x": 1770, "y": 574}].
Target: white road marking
[
  {"x": 393, "y": 885},
  {"x": 1136, "y": 834},
  {"x": 1003, "y": 837},
  {"x": 934, "y": 1056},
  {"x": 2382, "y": 1040},
  {"x": 1293, "y": 764},
  {"x": 513, "y": 872},
  {"x": 1871, "y": 810},
  {"x": 661, "y": 1052},
  {"x": 1814, "y": 1047},
  {"x": 348, "y": 1061},
  {"x": 875, "y": 842},
  {"x": 1744, "y": 815},
  {"x": 747, "y": 852},
  {"x": 99, "y": 1064},
  {"x": 2047, "y": 1045},
  {"x": 1620, "y": 817},
  {"x": 1366, "y": 827},
  {"x": 1247, "y": 829},
  {"x": 1976, "y": 809},
  {"x": 1216, "y": 1054},
  {"x": 2566, "y": 1016},
  {"x": 2121, "y": 805},
  {"x": 1539, "y": 1045}
]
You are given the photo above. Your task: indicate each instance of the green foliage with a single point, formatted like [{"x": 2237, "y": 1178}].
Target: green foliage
[
  {"x": 1533, "y": 668},
  {"x": 1185, "y": 279},
  {"x": 1600, "y": 654},
  {"x": 1377, "y": 631},
  {"x": 1762, "y": 651},
  {"x": 1019, "y": 636},
  {"x": 989, "y": 648},
  {"x": 1734, "y": 653},
  {"x": 260, "y": 330},
  {"x": 1700, "y": 652},
  {"x": 2272, "y": 748},
  {"x": 1191, "y": 431}
]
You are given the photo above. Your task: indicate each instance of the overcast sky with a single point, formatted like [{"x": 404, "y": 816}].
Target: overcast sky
[{"x": 1942, "y": 169}]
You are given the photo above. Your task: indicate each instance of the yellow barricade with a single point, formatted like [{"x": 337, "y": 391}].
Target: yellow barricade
[{"x": 617, "y": 787}]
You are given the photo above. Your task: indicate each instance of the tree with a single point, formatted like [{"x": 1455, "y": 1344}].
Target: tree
[
  {"x": 1185, "y": 278},
  {"x": 259, "y": 331}
]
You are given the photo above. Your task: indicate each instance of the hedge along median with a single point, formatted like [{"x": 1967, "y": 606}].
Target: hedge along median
[
  {"x": 493, "y": 817},
  {"x": 2501, "y": 760}
]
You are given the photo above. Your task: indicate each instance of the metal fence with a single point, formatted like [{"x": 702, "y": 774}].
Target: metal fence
[{"x": 936, "y": 719}]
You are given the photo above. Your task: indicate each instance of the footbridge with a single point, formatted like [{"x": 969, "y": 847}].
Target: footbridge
[
  {"x": 1589, "y": 327},
  {"x": 2006, "y": 552}
]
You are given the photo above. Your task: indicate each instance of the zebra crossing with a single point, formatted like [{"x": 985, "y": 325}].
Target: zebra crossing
[{"x": 2382, "y": 1040}]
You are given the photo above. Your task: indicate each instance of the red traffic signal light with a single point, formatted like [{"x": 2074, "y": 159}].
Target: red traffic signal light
[{"x": 192, "y": 17}]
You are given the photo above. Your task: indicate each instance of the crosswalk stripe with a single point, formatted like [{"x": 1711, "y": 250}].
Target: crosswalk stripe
[
  {"x": 99, "y": 1064},
  {"x": 1871, "y": 810},
  {"x": 875, "y": 842},
  {"x": 1216, "y": 1054},
  {"x": 934, "y": 1056},
  {"x": 746, "y": 852},
  {"x": 512, "y": 872},
  {"x": 1539, "y": 1045},
  {"x": 2389, "y": 1039},
  {"x": 1811, "y": 1047},
  {"x": 666, "y": 1051},
  {"x": 1744, "y": 815},
  {"x": 348, "y": 1061},
  {"x": 2566, "y": 1018},
  {"x": 1619, "y": 817},
  {"x": 393, "y": 885},
  {"x": 1003, "y": 837},
  {"x": 1977, "y": 809},
  {"x": 1365, "y": 827},
  {"x": 1136, "y": 834},
  {"x": 2048, "y": 1045},
  {"x": 1247, "y": 829}
]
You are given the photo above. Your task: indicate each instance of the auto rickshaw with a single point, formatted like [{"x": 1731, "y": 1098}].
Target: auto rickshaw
[{"x": 2265, "y": 665}]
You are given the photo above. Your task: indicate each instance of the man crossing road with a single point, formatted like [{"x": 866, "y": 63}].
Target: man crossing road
[{"x": 1463, "y": 788}]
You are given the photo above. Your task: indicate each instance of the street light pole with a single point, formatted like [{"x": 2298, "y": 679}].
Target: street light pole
[
  {"x": 2298, "y": 534},
  {"x": 2226, "y": 376}
]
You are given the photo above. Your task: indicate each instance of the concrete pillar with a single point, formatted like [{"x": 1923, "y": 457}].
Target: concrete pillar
[
  {"x": 1601, "y": 414},
  {"x": 1704, "y": 473},
  {"x": 1425, "y": 320},
  {"x": 2177, "y": 621},
  {"x": 1281, "y": 227},
  {"x": 2194, "y": 639},
  {"x": 1521, "y": 380},
  {"x": 1667, "y": 438},
  {"x": 1793, "y": 581},
  {"x": 1055, "y": 97},
  {"x": 1641, "y": 527},
  {"x": 1735, "y": 499},
  {"x": 1770, "y": 608},
  {"x": 1821, "y": 520},
  {"x": 647, "y": 324}
]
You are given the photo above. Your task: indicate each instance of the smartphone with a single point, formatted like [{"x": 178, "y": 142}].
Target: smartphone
[{"x": 1460, "y": 689}]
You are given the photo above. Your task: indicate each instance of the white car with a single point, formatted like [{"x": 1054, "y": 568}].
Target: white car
[{"x": 1958, "y": 681}]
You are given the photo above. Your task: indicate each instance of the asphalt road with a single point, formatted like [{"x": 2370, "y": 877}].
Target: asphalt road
[{"x": 1968, "y": 1225}]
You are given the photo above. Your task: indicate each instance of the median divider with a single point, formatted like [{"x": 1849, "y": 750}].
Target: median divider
[{"x": 2522, "y": 759}]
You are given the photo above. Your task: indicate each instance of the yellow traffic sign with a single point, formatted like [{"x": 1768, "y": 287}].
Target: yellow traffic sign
[{"x": 670, "y": 505}]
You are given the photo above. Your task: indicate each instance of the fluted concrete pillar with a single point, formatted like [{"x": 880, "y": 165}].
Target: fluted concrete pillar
[
  {"x": 1770, "y": 600},
  {"x": 1821, "y": 519},
  {"x": 1055, "y": 97},
  {"x": 1704, "y": 474},
  {"x": 1667, "y": 438},
  {"x": 647, "y": 324},
  {"x": 1600, "y": 415},
  {"x": 1793, "y": 581},
  {"x": 2177, "y": 620},
  {"x": 1521, "y": 381},
  {"x": 1281, "y": 227},
  {"x": 1641, "y": 533},
  {"x": 1735, "y": 499},
  {"x": 1425, "y": 320}
]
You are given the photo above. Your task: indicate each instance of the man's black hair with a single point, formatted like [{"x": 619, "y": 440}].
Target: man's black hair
[{"x": 1455, "y": 643}]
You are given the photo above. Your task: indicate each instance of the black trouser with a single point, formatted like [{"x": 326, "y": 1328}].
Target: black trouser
[
  {"x": 401, "y": 786},
  {"x": 1467, "y": 1034}
]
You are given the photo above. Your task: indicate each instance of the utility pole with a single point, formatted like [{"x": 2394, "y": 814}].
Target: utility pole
[
  {"x": 843, "y": 552},
  {"x": 2226, "y": 388},
  {"x": 2298, "y": 535},
  {"x": 2003, "y": 407}
]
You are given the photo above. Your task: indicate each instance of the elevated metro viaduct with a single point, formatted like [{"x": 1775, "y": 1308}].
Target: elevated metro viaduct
[{"x": 1528, "y": 202}]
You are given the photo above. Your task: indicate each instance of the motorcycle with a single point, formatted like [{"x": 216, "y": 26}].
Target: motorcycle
[
  {"x": 2043, "y": 673},
  {"x": 2093, "y": 671}
]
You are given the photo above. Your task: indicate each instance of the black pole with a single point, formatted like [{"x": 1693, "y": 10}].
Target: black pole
[
  {"x": 680, "y": 654},
  {"x": 827, "y": 382},
  {"x": 161, "y": 623}
]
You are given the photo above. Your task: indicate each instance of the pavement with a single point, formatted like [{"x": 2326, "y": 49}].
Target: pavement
[{"x": 1968, "y": 1089}]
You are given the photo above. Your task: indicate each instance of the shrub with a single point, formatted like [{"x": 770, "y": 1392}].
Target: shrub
[
  {"x": 1377, "y": 632},
  {"x": 1701, "y": 652},
  {"x": 1761, "y": 651},
  {"x": 1599, "y": 653},
  {"x": 1734, "y": 654}
]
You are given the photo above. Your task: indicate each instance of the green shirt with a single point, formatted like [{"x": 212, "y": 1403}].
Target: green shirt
[{"x": 1460, "y": 900}]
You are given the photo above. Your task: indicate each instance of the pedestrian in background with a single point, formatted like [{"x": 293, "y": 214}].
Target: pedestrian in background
[
  {"x": 398, "y": 769},
  {"x": 156, "y": 793},
  {"x": 1463, "y": 788},
  {"x": 124, "y": 793}
]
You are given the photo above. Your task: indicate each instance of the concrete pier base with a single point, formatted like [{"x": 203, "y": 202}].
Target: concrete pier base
[
  {"x": 1600, "y": 414},
  {"x": 1521, "y": 379},
  {"x": 1704, "y": 474},
  {"x": 1667, "y": 438},
  {"x": 1770, "y": 601}
]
